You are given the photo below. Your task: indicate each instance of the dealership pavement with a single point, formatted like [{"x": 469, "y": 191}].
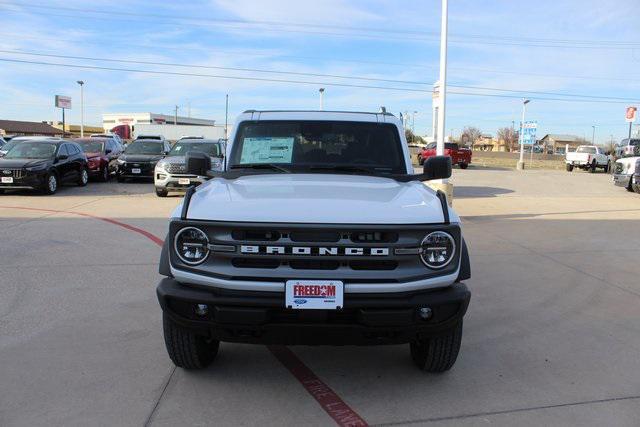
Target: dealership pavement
[{"x": 552, "y": 336}]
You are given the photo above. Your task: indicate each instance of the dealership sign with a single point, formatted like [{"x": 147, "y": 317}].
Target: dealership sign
[
  {"x": 529, "y": 132},
  {"x": 630, "y": 115},
  {"x": 63, "y": 102}
]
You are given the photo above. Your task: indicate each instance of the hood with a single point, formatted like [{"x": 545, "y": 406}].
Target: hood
[
  {"x": 216, "y": 162},
  {"x": 316, "y": 198},
  {"x": 21, "y": 163},
  {"x": 140, "y": 157},
  {"x": 626, "y": 165}
]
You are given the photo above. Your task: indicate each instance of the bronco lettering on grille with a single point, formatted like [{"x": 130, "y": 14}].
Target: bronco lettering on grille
[{"x": 309, "y": 250}]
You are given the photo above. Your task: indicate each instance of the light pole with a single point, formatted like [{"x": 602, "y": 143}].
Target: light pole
[
  {"x": 593, "y": 135},
  {"x": 413, "y": 126},
  {"x": 521, "y": 136},
  {"x": 81, "y": 83},
  {"x": 321, "y": 90},
  {"x": 175, "y": 116},
  {"x": 443, "y": 79}
]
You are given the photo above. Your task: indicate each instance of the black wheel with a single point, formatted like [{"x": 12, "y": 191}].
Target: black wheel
[
  {"x": 464, "y": 165},
  {"x": 630, "y": 186},
  {"x": 569, "y": 167},
  {"x": 437, "y": 354},
  {"x": 104, "y": 175},
  {"x": 120, "y": 179},
  {"x": 592, "y": 168},
  {"x": 83, "y": 179},
  {"x": 186, "y": 349},
  {"x": 51, "y": 183},
  {"x": 607, "y": 168},
  {"x": 160, "y": 192}
]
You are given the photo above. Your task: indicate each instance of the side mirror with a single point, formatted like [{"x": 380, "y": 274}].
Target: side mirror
[
  {"x": 437, "y": 167},
  {"x": 198, "y": 163}
]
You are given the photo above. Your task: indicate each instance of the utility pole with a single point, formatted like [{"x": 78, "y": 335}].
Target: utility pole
[
  {"x": 81, "y": 83},
  {"x": 175, "y": 116},
  {"x": 593, "y": 136},
  {"x": 189, "y": 109},
  {"x": 443, "y": 79},
  {"x": 226, "y": 118},
  {"x": 413, "y": 126},
  {"x": 321, "y": 90},
  {"x": 521, "y": 136}
]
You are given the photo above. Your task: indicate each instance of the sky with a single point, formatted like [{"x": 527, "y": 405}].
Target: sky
[{"x": 365, "y": 53}]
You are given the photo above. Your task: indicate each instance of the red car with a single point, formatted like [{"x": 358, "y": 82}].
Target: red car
[
  {"x": 102, "y": 155},
  {"x": 459, "y": 156}
]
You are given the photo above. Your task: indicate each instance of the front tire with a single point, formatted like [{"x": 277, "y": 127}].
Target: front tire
[
  {"x": 51, "y": 184},
  {"x": 437, "y": 354},
  {"x": 593, "y": 166},
  {"x": 104, "y": 176},
  {"x": 160, "y": 192},
  {"x": 83, "y": 179},
  {"x": 464, "y": 165},
  {"x": 569, "y": 167},
  {"x": 186, "y": 349},
  {"x": 607, "y": 167}
]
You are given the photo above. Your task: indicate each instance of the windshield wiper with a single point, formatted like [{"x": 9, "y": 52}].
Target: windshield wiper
[
  {"x": 271, "y": 166},
  {"x": 349, "y": 168}
]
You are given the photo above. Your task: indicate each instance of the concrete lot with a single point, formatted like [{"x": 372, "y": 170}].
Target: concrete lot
[{"x": 552, "y": 336}]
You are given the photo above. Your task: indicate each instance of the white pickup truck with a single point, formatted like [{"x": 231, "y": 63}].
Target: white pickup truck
[
  {"x": 588, "y": 157},
  {"x": 317, "y": 232}
]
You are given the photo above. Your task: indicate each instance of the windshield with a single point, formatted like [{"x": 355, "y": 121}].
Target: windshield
[
  {"x": 301, "y": 145},
  {"x": 182, "y": 148},
  {"x": 590, "y": 150},
  {"x": 31, "y": 150},
  {"x": 91, "y": 146},
  {"x": 8, "y": 146},
  {"x": 144, "y": 147}
]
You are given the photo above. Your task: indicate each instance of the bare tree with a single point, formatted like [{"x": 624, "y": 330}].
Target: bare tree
[
  {"x": 509, "y": 136},
  {"x": 470, "y": 135}
]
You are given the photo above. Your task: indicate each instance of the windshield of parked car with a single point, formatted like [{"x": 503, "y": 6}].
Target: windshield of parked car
[
  {"x": 308, "y": 145},
  {"x": 590, "y": 150},
  {"x": 182, "y": 148},
  {"x": 31, "y": 150},
  {"x": 91, "y": 146},
  {"x": 144, "y": 147}
]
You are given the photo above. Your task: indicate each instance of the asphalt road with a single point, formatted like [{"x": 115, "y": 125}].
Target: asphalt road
[{"x": 552, "y": 336}]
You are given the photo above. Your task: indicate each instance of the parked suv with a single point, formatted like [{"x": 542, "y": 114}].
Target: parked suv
[
  {"x": 171, "y": 172},
  {"x": 43, "y": 164},
  {"x": 140, "y": 157},
  {"x": 626, "y": 173},
  {"x": 102, "y": 156},
  {"x": 316, "y": 232},
  {"x": 459, "y": 155}
]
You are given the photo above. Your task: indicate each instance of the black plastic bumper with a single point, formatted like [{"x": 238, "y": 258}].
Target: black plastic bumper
[{"x": 261, "y": 318}]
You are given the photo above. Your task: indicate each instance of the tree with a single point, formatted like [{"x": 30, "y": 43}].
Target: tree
[
  {"x": 411, "y": 138},
  {"x": 509, "y": 136},
  {"x": 470, "y": 135}
]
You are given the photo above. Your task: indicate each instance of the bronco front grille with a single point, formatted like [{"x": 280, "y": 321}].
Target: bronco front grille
[{"x": 279, "y": 252}]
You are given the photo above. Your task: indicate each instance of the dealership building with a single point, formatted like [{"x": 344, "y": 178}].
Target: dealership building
[{"x": 110, "y": 120}]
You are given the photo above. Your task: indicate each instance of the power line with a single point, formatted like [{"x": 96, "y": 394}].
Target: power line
[
  {"x": 300, "y": 82},
  {"x": 168, "y": 64}
]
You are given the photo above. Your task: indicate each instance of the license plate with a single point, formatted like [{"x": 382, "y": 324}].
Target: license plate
[
  {"x": 7, "y": 180},
  {"x": 314, "y": 294},
  {"x": 135, "y": 170},
  {"x": 184, "y": 181}
]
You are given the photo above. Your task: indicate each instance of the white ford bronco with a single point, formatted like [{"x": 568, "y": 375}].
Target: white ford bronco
[{"x": 317, "y": 231}]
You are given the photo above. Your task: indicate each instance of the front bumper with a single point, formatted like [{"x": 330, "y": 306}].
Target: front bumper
[
  {"x": 167, "y": 181},
  {"x": 126, "y": 170},
  {"x": 622, "y": 180},
  {"x": 261, "y": 318},
  {"x": 29, "y": 181}
]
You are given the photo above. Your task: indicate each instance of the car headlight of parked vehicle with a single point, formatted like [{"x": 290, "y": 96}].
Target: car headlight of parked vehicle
[
  {"x": 191, "y": 245},
  {"x": 121, "y": 162},
  {"x": 437, "y": 249},
  {"x": 161, "y": 166}
]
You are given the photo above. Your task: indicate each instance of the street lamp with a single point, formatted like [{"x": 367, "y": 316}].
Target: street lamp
[
  {"x": 521, "y": 136},
  {"x": 593, "y": 135},
  {"x": 321, "y": 90},
  {"x": 81, "y": 83}
]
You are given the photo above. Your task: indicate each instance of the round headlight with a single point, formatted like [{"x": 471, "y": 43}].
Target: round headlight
[
  {"x": 438, "y": 249},
  {"x": 191, "y": 245}
]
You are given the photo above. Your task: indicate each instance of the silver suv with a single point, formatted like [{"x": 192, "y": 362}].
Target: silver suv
[{"x": 171, "y": 172}]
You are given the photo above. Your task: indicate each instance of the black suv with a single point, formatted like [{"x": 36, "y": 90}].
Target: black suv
[
  {"x": 140, "y": 157},
  {"x": 43, "y": 164}
]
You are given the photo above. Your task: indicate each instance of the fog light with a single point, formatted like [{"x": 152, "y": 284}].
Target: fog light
[
  {"x": 425, "y": 313},
  {"x": 202, "y": 309}
]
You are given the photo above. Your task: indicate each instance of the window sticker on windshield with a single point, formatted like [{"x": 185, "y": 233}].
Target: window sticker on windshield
[{"x": 266, "y": 150}]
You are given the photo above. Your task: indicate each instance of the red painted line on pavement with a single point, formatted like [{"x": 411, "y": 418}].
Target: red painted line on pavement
[
  {"x": 155, "y": 239},
  {"x": 333, "y": 405},
  {"x": 337, "y": 409}
]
